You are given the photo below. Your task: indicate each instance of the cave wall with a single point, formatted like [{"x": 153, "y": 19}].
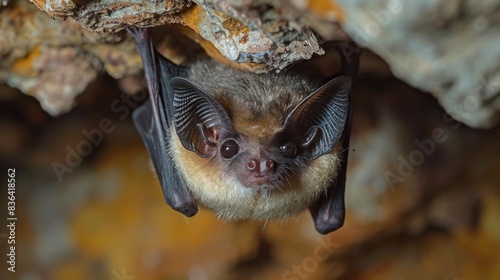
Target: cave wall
[{"x": 445, "y": 48}]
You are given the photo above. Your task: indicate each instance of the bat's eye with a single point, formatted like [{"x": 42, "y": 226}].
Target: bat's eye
[
  {"x": 289, "y": 149},
  {"x": 229, "y": 149}
]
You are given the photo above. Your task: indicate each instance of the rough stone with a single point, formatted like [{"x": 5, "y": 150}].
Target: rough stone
[
  {"x": 55, "y": 61},
  {"x": 259, "y": 34},
  {"x": 442, "y": 47},
  {"x": 448, "y": 52},
  {"x": 110, "y": 15}
]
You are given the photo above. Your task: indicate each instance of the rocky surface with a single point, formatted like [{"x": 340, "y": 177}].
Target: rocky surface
[
  {"x": 111, "y": 15},
  {"x": 442, "y": 47},
  {"x": 55, "y": 61},
  {"x": 449, "y": 52}
]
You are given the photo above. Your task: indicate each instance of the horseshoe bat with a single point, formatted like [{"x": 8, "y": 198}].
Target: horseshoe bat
[{"x": 245, "y": 145}]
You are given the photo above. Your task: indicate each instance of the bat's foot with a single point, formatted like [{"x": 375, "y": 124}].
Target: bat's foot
[{"x": 141, "y": 35}]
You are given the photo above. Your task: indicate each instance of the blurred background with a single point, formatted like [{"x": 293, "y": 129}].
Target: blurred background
[{"x": 422, "y": 198}]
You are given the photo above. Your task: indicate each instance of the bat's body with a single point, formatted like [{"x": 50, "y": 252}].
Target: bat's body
[{"x": 245, "y": 146}]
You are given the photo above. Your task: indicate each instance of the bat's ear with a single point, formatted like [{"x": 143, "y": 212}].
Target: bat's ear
[
  {"x": 198, "y": 117},
  {"x": 317, "y": 122}
]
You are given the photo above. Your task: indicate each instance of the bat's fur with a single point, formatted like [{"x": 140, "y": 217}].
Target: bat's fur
[{"x": 256, "y": 105}]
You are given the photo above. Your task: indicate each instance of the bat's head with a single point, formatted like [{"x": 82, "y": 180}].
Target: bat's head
[{"x": 263, "y": 151}]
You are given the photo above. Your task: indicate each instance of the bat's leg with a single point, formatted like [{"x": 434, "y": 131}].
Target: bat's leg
[
  {"x": 329, "y": 211},
  {"x": 144, "y": 44}
]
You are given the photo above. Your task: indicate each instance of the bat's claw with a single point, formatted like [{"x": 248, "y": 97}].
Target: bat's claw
[{"x": 141, "y": 35}]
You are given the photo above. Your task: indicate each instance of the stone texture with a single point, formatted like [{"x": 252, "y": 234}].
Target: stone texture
[
  {"x": 442, "y": 47},
  {"x": 448, "y": 53},
  {"x": 241, "y": 43},
  {"x": 251, "y": 32},
  {"x": 55, "y": 61},
  {"x": 110, "y": 15}
]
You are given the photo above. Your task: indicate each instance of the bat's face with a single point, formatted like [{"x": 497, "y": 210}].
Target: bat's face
[
  {"x": 258, "y": 162},
  {"x": 259, "y": 157},
  {"x": 259, "y": 178}
]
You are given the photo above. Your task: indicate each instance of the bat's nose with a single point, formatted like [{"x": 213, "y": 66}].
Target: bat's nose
[{"x": 260, "y": 166}]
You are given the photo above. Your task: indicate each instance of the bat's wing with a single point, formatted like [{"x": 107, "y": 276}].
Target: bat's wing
[
  {"x": 153, "y": 120},
  {"x": 329, "y": 211}
]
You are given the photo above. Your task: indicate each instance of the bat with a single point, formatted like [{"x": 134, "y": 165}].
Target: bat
[{"x": 245, "y": 145}]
